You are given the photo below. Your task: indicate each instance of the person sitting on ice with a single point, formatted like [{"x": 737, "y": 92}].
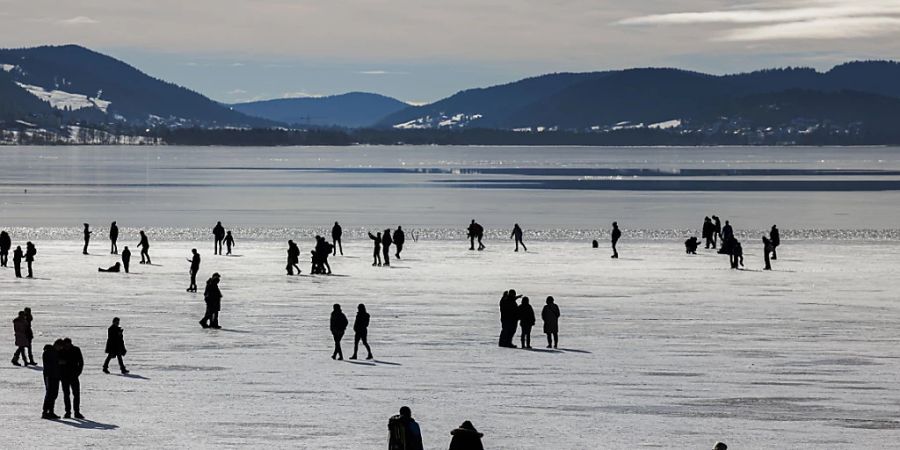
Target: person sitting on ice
[
  {"x": 690, "y": 245},
  {"x": 116, "y": 268},
  {"x": 405, "y": 433},
  {"x": 466, "y": 437}
]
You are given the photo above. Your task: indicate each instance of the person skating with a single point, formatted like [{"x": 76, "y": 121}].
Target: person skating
[
  {"x": 768, "y": 248},
  {"x": 219, "y": 237},
  {"x": 361, "y": 331},
  {"x": 30, "y": 251},
  {"x": 113, "y": 238},
  {"x": 614, "y": 237},
  {"x": 509, "y": 318},
  {"x": 717, "y": 229},
  {"x": 293, "y": 258},
  {"x": 144, "y": 245},
  {"x": 5, "y": 245},
  {"x": 50, "y": 359},
  {"x": 466, "y": 437},
  {"x": 20, "y": 331},
  {"x": 229, "y": 242},
  {"x": 17, "y": 261},
  {"x": 336, "y": 233},
  {"x": 194, "y": 269},
  {"x": 775, "y": 238},
  {"x": 476, "y": 231},
  {"x": 708, "y": 233},
  {"x": 115, "y": 268},
  {"x": 115, "y": 346},
  {"x": 526, "y": 321},
  {"x": 126, "y": 258},
  {"x": 386, "y": 242},
  {"x": 338, "y": 326},
  {"x": 517, "y": 235},
  {"x": 376, "y": 252},
  {"x": 550, "y": 316},
  {"x": 404, "y": 432},
  {"x": 212, "y": 296},
  {"x": 690, "y": 245},
  {"x": 71, "y": 364},
  {"x": 87, "y": 238},
  {"x": 399, "y": 240}
]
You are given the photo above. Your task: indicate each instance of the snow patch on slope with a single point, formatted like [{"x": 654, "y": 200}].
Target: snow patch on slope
[
  {"x": 674, "y": 123},
  {"x": 7, "y": 67},
  {"x": 439, "y": 121},
  {"x": 65, "y": 100}
]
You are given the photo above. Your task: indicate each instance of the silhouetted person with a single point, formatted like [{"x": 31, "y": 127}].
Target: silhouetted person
[
  {"x": 115, "y": 346},
  {"x": 336, "y": 233},
  {"x": 595, "y": 244},
  {"x": 5, "y": 245},
  {"x": 229, "y": 242},
  {"x": 690, "y": 245},
  {"x": 404, "y": 431},
  {"x": 20, "y": 330},
  {"x": 768, "y": 248},
  {"x": 144, "y": 245},
  {"x": 517, "y": 235},
  {"x": 126, "y": 258},
  {"x": 727, "y": 232},
  {"x": 194, "y": 269},
  {"x": 361, "y": 331},
  {"x": 17, "y": 261},
  {"x": 87, "y": 238},
  {"x": 509, "y": 318},
  {"x": 737, "y": 254},
  {"x": 320, "y": 255},
  {"x": 293, "y": 258},
  {"x": 71, "y": 364},
  {"x": 717, "y": 229},
  {"x": 376, "y": 252},
  {"x": 113, "y": 237},
  {"x": 466, "y": 437},
  {"x": 386, "y": 242},
  {"x": 616, "y": 234},
  {"x": 720, "y": 446},
  {"x": 212, "y": 296},
  {"x": 29, "y": 333},
  {"x": 338, "y": 326},
  {"x": 708, "y": 233},
  {"x": 399, "y": 240},
  {"x": 476, "y": 231},
  {"x": 115, "y": 268},
  {"x": 30, "y": 251},
  {"x": 219, "y": 236},
  {"x": 775, "y": 238},
  {"x": 51, "y": 379},
  {"x": 550, "y": 316},
  {"x": 526, "y": 321}
]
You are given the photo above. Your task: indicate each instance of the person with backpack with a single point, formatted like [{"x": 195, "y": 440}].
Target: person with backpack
[
  {"x": 20, "y": 331},
  {"x": 405, "y": 433}
]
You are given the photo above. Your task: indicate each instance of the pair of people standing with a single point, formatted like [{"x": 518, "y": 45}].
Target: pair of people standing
[
  {"x": 212, "y": 296},
  {"x": 338, "y": 325},
  {"x": 24, "y": 335},
  {"x": 475, "y": 231},
  {"x": 222, "y": 237},
  {"x": 28, "y": 255},
  {"x": 63, "y": 364}
]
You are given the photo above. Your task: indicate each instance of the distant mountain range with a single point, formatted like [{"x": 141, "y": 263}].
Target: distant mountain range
[{"x": 351, "y": 110}]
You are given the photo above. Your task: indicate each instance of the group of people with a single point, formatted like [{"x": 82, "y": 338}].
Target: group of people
[
  {"x": 339, "y": 324},
  {"x": 220, "y": 236},
  {"x": 404, "y": 434},
  {"x": 713, "y": 232},
  {"x": 514, "y": 315},
  {"x": 18, "y": 255},
  {"x": 382, "y": 248}
]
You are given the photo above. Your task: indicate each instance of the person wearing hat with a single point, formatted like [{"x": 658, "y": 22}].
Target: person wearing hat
[
  {"x": 466, "y": 437},
  {"x": 213, "y": 298}
]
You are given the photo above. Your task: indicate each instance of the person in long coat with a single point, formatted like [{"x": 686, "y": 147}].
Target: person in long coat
[
  {"x": 115, "y": 346},
  {"x": 126, "y": 258},
  {"x": 526, "y": 321},
  {"x": 338, "y": 326},
  {"x": 466, "y": 437},
  {"x": 20, "y": 330},
  {"x": 17, "y": 261},
  {"x": 775, "y": 238},
  {"x": 399, "y": 240},
  {"x": 509, "y": 318},
  {"x": 213, "y": 298},
  {"x": 361, "y": 331},
  {"x": 386, "y": 242},
  {"x": 293, "y": 258},
  {"x": 30, "y": 252},
  {"x": 550, "y": 316},
  {"x": 5, "y": 245},
  {"x": 219, "y": 237},
  {"x": 708, "y": 233},
  {"x": 113, "y": 237}
]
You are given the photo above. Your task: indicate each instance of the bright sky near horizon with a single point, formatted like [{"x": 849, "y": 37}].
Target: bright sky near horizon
[{"x": 423, "y": 50}]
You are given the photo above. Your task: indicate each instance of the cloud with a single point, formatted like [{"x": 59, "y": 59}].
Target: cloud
[
  {"x": 236, "y": 92},
  {"x": 839, "y": 28},
  {"x": 79, "y": 20},
  {"x": 299, "y": 94},
  {"x": 379, "y": 72}
]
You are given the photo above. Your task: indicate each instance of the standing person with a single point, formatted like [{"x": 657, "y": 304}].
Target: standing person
[
  {"x": 717, "y": 229},
  {"x": 212, "y": 296},
  {"x": 144, "y": 245},
  {"x": 708, "y": 233},
  {"x": 775, "y": 237},
  {"x": 466, "y": 437},
  {"x": 293, "y": 258},
  {"x": 399, "y": 239},
  {"x": 229, "y": 242},
  {"x": 195, "y": 267},
  {"x": 71, "y": 364},
  {"x": 336, "y": 233},
  {"x": 376, "y": 254},
  {"x": 51, "y": 379},
  {"x": 87, "y": 238},
  {"x": 20, "y": 331},
  {"x": 526, "y": 321},
  {"x": 405, "y": 433},
  {"x": 509, "y": 319},
  {"x": 737, "y": 254},
  {"x": 5, "y": 245},
  {"x": 219, "y": 235},
  {"x": 727, "y": 232},
  {"x": 476, "y": 231},
  {"x": 768, "y": 248},
  {"x": 113, "y": 237},
  {"x": 550, "y": 316},
  {"x": 386, "y": 242},
  {"x": 361, "y": 331},
  {"x": 29, "y": 334},
  {"x": 30, "y": 251},
  {"x": 338, "y": 326},
  {"x": 616, "y": 234},
  {"x": 115, "y": 346},
  {"x": 17, "y": 261},
  {"x": 126, "y": 258},
  {"x": 517, "y": 235}
]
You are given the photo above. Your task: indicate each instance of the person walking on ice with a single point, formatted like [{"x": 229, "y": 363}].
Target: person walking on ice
[
  {"x": 113, "y": 237},
  {"x": 361, "y": 331},
  {"x": 338, "y": 326},
  {"x": 229, "y": 242},
  {"x": 5, "y": 245},
  {"x": 616, "y": 234},
  {"x": 399, "y": 240},
  {"x": 115, "y": 346},
  {"x": 144, "y": 245},
  {"x": 87, "y": 238},
  {"x": 219, "y": 237},
  {"x": 768, "y": 249},
  {"x": 212, "y": 296},
  {"x": 476, "y": 231},
  {"x": 20, "y": 331},
  {"x": 517, "y": 235},
  {"x": 195, "y": 267}
]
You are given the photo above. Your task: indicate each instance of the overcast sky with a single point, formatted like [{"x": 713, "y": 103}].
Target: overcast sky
[{"x": 422, "y": 50}]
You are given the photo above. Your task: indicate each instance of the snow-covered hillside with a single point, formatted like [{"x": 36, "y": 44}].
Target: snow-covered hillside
[{"x": 66, "y": 100}]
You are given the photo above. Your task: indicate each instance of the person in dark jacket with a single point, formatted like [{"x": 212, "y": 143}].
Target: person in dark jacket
[
  {"x": 87, "y": 238},
  {"x": 550, "y": 316},
  {"x": 30, "y": 252},
  {"x": 219, "y": 237},
  {"x": 194, "y": 269},
  {"x": 338, "y": 326},
  {"x": 29, "y": 333},
  {"x": 361, "y": 331},
  {"x": 775, "y": 238},
  {"x": 727, "y": 232},
  {"x": 386, "y": 242},
  {"x": 126, "y": 258},
  {"x": 690, "y": 245},
  {"x": 51, "y": 379},
  {"x": 113, "y": 237},
  {"x": 115, "y": 346},
  {"x": 526, "y": 321},
  {"x": 144, "y": 245},
  {"x": 517, "y": 235},
  {"x": 737, "y": 254},
  {"x": 20, "y": 331},
  {"x": 229, "y": 242},
  {"x": 399, "y": 240},
  {"x": 509, "y": 318},
  {"x": 115, "y": 268},
  {"x": 336, "y": 233},
  {"x": 405, "y": 433},
  {"x": 5, "y": 245},
  {"x": 466, "y": 437},
  {"x": 768, "y": 248},
  {"x": 708, "y": 233},
  {"x": 293, "y": 258},
  {"x": 376, "y": 253},
  {"x": 71, "y": 363},
  {"x": 17, "y": 261},
  {"x": 476, "y": 231},
  {"x": 717, "y": 229},
  {"x": 616, "y": 234},
  {"x": 212, "y": 296}
]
